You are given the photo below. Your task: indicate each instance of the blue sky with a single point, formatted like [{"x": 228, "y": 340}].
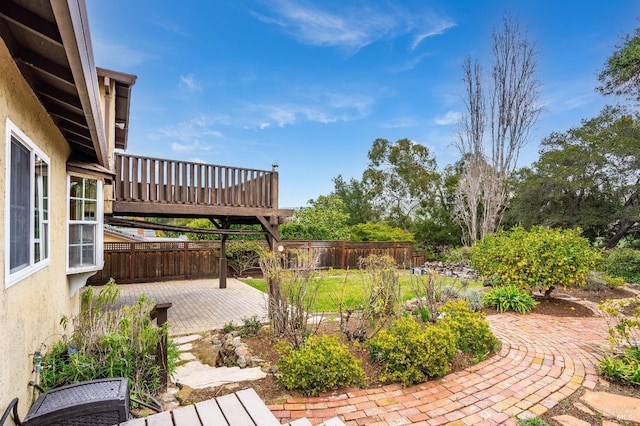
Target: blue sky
[{"x": 311, "y": 84}]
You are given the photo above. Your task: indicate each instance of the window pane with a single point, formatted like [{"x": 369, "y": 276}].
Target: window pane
[
  {"x": 75, "y": 209},
  {"x": 90, "y": 210},
  {"x": 20, "y": 207},
  {"x": 75, "y": 234},
  {"x": 88, "y": 232},
  {"x": 90, "y": 190},
  {"x": 75, "y": 258},
  {"x": 75, "y": 187}
]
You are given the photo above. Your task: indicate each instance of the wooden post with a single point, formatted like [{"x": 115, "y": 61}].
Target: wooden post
[
  {"x": 132, "y": 261},
  {"x": 160, "y": 312},
  {"x": 223, "y": 262},
  {"x": 186, "y": 260}
]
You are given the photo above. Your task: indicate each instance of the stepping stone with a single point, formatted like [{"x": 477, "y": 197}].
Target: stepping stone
[
  {"x": 612, "y": 406},
  {"x": 185, "y": 347},
  {"x": 187, "y": 356},
  {"x": 186, "y": 339},
  {"x": 566, "y": 420},
  {"x": 584, "y": 409}
]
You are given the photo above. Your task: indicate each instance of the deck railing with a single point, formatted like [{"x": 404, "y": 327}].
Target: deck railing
[{"x": 156, "y": 180}]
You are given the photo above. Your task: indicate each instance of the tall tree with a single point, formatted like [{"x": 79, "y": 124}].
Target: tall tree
[
  {"x": 587, "y": 177},
  {"x": 402, "y": 175},
  {"x": 621, "y": 74},
  {"x": 509, "y": 107},
  {"x": 357, "y": 199},
  {"x": 324, "y": 219}
]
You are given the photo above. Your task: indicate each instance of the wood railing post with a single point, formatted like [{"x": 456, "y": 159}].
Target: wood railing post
[
  {"x": 160, "y": 312},
  {"x": 274, "y": 190}
]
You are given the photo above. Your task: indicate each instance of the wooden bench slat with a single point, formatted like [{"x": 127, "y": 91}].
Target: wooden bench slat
[
  {"x": 233, "y": 410},
  {"x": 185, "y": 416},
  {"x": 160, "y": 419},
  {"x": 256, "y": 408},
  {"x": 210, "y": 414}
]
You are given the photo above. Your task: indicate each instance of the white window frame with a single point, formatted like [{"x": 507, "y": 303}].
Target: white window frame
[
  {"x": 98, "y": 223},
  {"x": 13, "y": 132}
]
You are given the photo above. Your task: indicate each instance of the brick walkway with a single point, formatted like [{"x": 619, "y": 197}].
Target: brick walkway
[{"x": 543, "y": 360}]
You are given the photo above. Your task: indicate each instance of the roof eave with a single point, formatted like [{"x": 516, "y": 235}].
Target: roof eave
[{"x": 73, "y": 24}]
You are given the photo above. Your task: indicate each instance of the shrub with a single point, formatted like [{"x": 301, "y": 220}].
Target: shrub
[
  {"x": 623, "y": 363},
  {"x": 108, "y": 343},
  {"x": 431, "y": 291},
  {"x": 410, "y": 353},
  {"x": 509, "y": 298},
  {"x": 471, "y": 330},
  {"x": 243, "y": 256},
  {"x": 541, "y": 257},
  {"x": 623, "y": 263},
  {"x": 250, "y": 326},
  {"x": 473, "y": 296},
  {"x": 380, "y": 301},
  {"x": 624, "y": 366},
  {"x": 319, "y": 365},
  {"x": 379, "y": 232}
]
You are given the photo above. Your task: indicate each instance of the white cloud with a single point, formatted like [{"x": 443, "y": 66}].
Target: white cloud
[
  {"x": 451, "y": 117},
  {"x": 189, "y": 83},
  {"x": 118, "y": 56},
  {"x": 353, "y": 26}
]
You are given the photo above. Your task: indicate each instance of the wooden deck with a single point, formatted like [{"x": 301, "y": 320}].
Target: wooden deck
[
  {"x": 243, "y": 408},
  {"x": 166, "y": 188}
]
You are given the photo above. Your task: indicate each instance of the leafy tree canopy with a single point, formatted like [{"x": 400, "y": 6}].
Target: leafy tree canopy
[
  {"x": 621, "y": 74},
  {"x": 587, "y": 177},
  {"x": 324, "y": 219},
  {"x": 379, "y": 232}
]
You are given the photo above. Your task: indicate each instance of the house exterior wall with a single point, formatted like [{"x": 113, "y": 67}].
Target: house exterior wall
[{"x": 30, "y": 310}]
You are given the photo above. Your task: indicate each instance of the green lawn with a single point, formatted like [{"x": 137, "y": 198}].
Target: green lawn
[{"x": 349, "y": 286}]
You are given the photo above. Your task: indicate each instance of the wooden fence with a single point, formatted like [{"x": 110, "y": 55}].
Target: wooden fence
[{"x": 162, "y": 261}]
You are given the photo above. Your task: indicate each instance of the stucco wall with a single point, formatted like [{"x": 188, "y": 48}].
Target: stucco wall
[{"x": 31, "y": 309}]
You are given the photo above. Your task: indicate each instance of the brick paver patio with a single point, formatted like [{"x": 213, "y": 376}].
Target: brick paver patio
[
  {"x": 543, "y": 361},
  {"x": 200, "y": 305}
]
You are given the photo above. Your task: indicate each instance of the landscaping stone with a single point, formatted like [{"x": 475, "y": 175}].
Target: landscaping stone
[
  {"x": 566, "y": 420},
  {"x": 612, "y": 406},
  {"x": 584, "y": 409},
  {"x": 186, "y": 339},
  {"x": 186, "y": 347},
  {"x": 187, "y": 356},
  {"x": 199, "y": 376}
]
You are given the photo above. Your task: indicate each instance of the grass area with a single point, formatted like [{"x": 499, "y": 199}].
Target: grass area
[{"x": 336, "y": 285}]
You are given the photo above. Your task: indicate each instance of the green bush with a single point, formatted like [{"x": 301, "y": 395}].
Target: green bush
[
  {"x": 250, "y": 326},
  {"x": 473, "y": 296},
  {"x": 471, "y": 329},
  {"x": 108, "y": 343},
  {"x": 412, "y": 353},
  {"x": 537, "y": 258},
  {"x": 379, "y": 232},
  {"x": 623, "y": 263},
  {"x": 319, "y": 365},
  {"x": 624, "y": 367},
  {"x": 509, "y": 298},
  {"x": 623, "y": 361}
]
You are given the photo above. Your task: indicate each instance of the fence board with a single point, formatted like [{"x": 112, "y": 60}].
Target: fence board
[{"x": 161, "y": 261}]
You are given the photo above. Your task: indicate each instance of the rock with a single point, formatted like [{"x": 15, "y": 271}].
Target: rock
[
  {"x": 584, "y": 409},
  {"x": 185, "y": 347},
  {"x": 185, "y": 339},
  {"x": 612, "y": 406},
  {"x": 566, "y": 420},
  {"x": 242, "y": 361}
]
